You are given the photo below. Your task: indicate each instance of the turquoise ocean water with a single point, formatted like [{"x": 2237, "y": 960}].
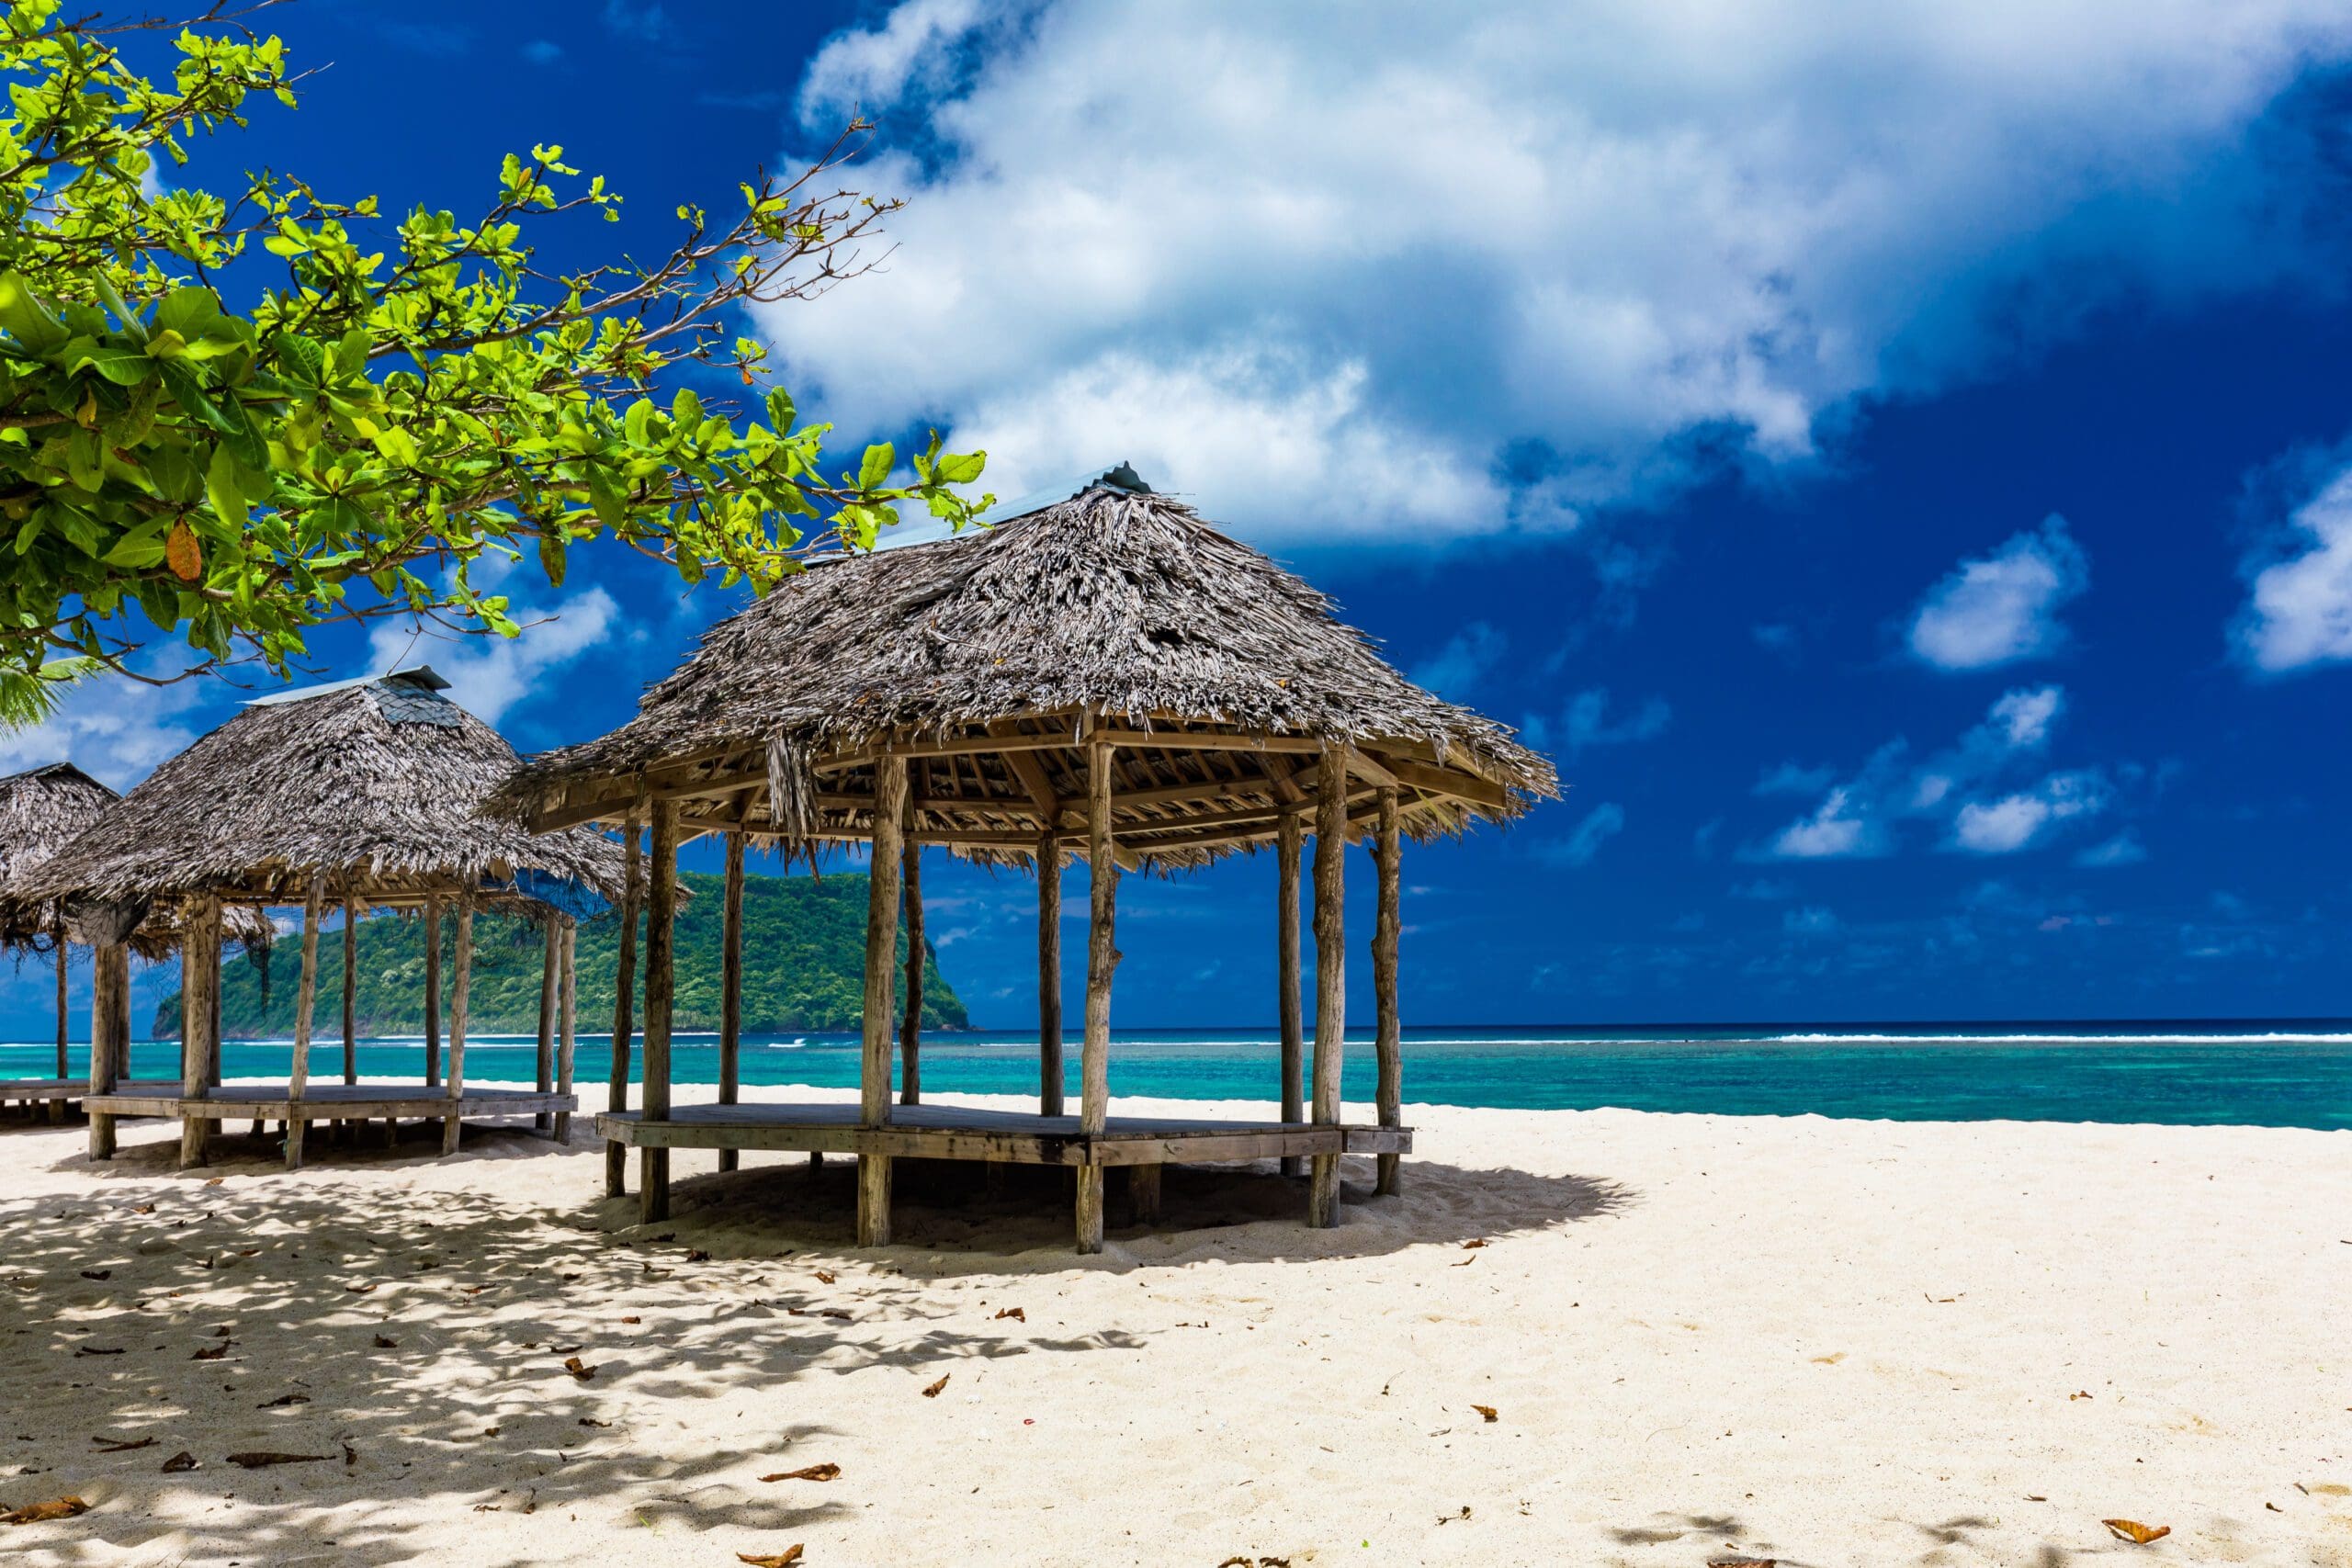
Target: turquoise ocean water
[{"x": 2292, "y": 1073}]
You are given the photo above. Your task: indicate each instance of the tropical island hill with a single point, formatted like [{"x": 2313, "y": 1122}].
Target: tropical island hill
[{"x": 804, "y": 957}]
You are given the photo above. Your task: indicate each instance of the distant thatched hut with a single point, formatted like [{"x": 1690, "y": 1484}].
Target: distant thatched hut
[
  {"x": 363, "y": 793},
  {"x": 1106, "y": 676},
  {"x": 41, "y": 810}
]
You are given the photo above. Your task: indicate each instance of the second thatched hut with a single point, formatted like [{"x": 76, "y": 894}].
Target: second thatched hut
[{"x": 363, "y": 793}]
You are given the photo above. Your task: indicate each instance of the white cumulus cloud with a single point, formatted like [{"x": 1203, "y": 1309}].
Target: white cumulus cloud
[
  {"x": 2299, "y": 609},
  {"x": 1403, "y": 270},
  {"x": 488, "y": 675},
  {"x": 2003, "y": 607},
  {"x": 1984, "y": 788},
  {"x": 2014, "y": 821}
]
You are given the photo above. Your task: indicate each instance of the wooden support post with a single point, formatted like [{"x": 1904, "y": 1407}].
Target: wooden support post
[
  {"x": 881, "y": 949},
  {"x": 350, "y": 993},
  {"x": 1143, "y": 1193},
  {"x": 432, "y": 989},
  {"x": 453, "y": 1125},
  {"x": 660, "y": 982},
  {"x": 1388, "y": 925},
  {"x": 199, "y": 977},
  {"x": 1330, "y": 973},
  {"x": 1049, "y": 974},
  {"x": 1286, "y": 996},
  {"x": 64, "y": 946},
  {"x": 911, "y": 1021},
  {"x": 569, "y": 1025},
  {"x": 110, "y": 1016},
  {"x": 550, "y": 956},
  {"x": 730, "y": 988},
  {"x": 306, "y": 996},
  {"x": 1101, "y": 959},
  {"x": 624, "y": 1004}
]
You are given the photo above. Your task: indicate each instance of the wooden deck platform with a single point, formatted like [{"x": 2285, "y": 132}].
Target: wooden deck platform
[
  {"x": 28, "y": 1091},
  {"x": 325, "y": 1103},
  {"x": 961, "y": 1132}
]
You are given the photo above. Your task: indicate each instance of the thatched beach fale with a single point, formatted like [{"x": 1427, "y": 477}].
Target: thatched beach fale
[
  {"x": 1104, "y": 677},
  {"x": 363, "y": 793},
  {"x": 1700, "y": 1338}
]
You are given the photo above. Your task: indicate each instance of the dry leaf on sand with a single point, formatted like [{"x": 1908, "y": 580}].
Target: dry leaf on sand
[
  {"x": 933, "y": 1391},
  {"x": 39, "y": 1513},
  {"x": 1015, "y": 1314},
  {"x": 813, "y": 1473},
  {"x": 282, "y": 1401},
  {"x": 784, "y": 1559},
  {"x": 578, "y": 1368},
  {"x": 261, "y": 1459},
  {"x": 385, "y": 1342},
  {"x": 825, "y": 1276},
  {"x": 1488, "y": 1412},
  {"x": 1473, "y": 1244},
  {"x": 122, "y": 1445},
  {"x": 98, "y": 1273},
  {"x": 2135, "y": 1532},
  {"x": 179, "y": 1461}
]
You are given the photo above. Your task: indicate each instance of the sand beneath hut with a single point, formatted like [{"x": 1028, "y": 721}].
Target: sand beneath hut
[{"x": 1701, "y": 1337}]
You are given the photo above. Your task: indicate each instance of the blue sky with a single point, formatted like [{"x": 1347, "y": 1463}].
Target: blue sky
[{"x": 1899, "y": 465}]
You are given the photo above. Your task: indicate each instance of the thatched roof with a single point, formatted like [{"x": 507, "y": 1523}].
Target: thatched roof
[
  {"x": 41, "y": 810},
  {"x": 982, "y": 658},
  {"x": 377, "y": 782}
]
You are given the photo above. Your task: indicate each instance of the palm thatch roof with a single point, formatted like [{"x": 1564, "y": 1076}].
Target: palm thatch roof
[
  {"x": 41, "y": 811},
  {"x": 990, "y": 659},
  {"x": 378, "y": 782}
]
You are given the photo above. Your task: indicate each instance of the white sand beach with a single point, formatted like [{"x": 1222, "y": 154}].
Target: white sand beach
[{"x": 1701, "y": 1337}]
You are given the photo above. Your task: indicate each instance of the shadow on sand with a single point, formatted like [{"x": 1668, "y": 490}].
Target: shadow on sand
[{"x": 410, "y": 1341}]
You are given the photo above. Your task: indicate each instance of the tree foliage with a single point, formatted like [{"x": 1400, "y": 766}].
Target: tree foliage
[{"x": 394, "y": 400}]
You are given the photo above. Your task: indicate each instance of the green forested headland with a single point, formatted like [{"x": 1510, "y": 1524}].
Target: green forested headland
[{"x": 804, "y": 961}]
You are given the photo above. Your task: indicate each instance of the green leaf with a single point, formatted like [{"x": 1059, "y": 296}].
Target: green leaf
[
  {"x": 84, "y": 462},
  {"x": 686, "y": 408},
  {"x": 27, "y": 318},
  {"x": 606, "y": 501},
  {"x": 874, "y": 472},
  {"x": 125, "y": 366},
  {"x": 304, "y": 355},
  {"x": 139, "y": 549},
  {"x": 189, "y": 393},
  {"x": 127, "y": 318},
  {"x": 237, "y": 424},
  {"x": 962, "y": 468},
  {"x": 188, "y": 311},
  {"x": 222, "y": 488}
]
